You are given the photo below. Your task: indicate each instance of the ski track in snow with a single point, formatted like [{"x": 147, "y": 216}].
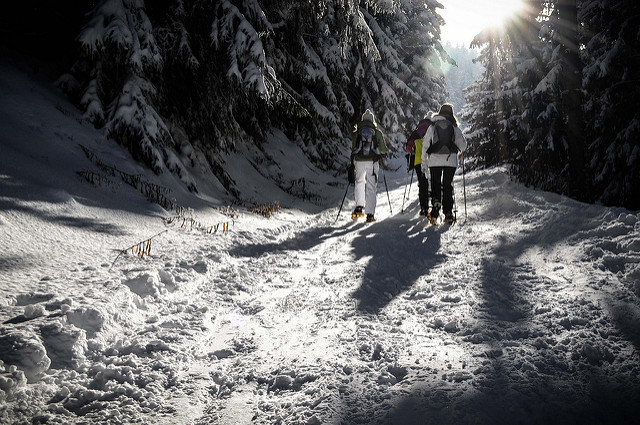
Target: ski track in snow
[{"x": 526, "y": 311}]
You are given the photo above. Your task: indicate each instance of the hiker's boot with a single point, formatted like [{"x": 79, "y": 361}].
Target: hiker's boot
[
  {"x": 370, "y": 218},
  {"x": 357, "y": 213},
  {"x": 433, "y": 215}
]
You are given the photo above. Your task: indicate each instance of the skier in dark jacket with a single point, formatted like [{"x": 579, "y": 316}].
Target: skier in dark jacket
[
  {"x": 414, "y": 147},
  {"x": 440, "y": 148}
]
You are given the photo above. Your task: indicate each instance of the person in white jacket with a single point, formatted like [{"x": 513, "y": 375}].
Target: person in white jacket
[{"x": 440, "y": 148}]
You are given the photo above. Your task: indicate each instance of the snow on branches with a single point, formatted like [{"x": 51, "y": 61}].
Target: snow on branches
[
  {"x": 227, "y": 72},
  {"x": 232, "y": 32}
]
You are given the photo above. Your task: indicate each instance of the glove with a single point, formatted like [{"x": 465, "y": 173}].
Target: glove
[
  {"x": 410, "y": 146},
  {"x": 351, "y": 172}
]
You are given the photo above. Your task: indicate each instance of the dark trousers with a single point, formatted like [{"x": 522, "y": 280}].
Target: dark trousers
[
  {"x": 442, "y": 188},
  {"x": 423, "y": 188}
]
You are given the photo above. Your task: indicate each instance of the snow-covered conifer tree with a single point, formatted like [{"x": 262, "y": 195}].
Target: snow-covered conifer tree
[
  {"x": 612, "y": 53},
  {"x": 485, "y": 111},
  {"x": 422, "y": 82},
  {"x": 227, "y": 72},
  {"x": 576, "y": 77},
  {"x": 461, "y": 76},
  {"x": 539, "y": 153},
  {"x": 119, "y": 60}
]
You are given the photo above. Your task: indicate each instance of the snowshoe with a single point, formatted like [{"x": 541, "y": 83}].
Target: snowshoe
[
  {"x": 357, "y": 213},
  {"x": 449, "y": 219},
  {"x": 370, "y": 218}
]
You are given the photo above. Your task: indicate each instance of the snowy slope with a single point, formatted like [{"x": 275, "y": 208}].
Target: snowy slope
[{"x": 525, "y": 312}]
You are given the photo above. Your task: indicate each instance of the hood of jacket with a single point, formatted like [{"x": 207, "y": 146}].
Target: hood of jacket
[{"x": 440, "y": 118}]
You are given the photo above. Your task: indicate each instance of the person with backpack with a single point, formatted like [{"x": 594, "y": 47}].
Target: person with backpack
[
  {"x": 440, "y": 148},
  {"x": 367, "y": 147},
  {"x": 414, "y": 147}
]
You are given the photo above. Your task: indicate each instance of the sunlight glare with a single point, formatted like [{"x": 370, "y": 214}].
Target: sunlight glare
[
  {"x": 502, "y": 10},
  {"x": 466, "y": 18}
]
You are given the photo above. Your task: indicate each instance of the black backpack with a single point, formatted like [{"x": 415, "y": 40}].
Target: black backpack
[
  {"x": 443, "y": 138},
  {"x": 367, "y": 144}
]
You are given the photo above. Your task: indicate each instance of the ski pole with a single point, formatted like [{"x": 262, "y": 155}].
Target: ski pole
[
  {"x": 454, "y": 208},
  {"x": 343, "y": 198},
  {"x": 407, "y": 195},
  {"x": 384, "y": 177},
  {"x": 464, "y": 189},
  {"x": 406, "y": 180}
]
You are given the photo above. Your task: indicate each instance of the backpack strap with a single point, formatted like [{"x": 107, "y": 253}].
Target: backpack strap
[
  {"x": 444, "y": 137},
  {"x": 366, "y": 143}
]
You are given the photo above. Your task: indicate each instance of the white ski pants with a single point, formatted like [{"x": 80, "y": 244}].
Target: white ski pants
[{"x": 366, "y": 185}]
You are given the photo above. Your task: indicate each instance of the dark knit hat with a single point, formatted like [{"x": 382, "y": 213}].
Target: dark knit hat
[{"x": 446, "y": 109}]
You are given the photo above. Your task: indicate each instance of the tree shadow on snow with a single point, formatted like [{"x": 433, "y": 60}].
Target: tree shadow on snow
[
  {"x": 303, "y": 241},
  {"x": 398, "y": 253},
  {"x": 510, "y": 386},
  {"x": 507, "y": 281},
  {"x": 524, "y": 378},
  {"x": 89, "y": 224},
  {"x": 554, "y": 386},
  {"x": 498, "y": 399}
]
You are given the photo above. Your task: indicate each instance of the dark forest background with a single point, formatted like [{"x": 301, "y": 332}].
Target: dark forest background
[{"x": 558, "y": 100}]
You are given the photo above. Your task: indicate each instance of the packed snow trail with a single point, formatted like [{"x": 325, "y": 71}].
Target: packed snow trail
[
  {"x": 395, "y": 322},
  {"x": 525, "y": 312}
]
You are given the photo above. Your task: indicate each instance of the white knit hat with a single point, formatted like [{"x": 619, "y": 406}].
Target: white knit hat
[{"x": 368, "y": 116}]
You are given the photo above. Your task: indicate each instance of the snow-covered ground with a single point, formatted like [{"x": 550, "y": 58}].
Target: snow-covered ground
[{"x": 525, "y": 312}]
